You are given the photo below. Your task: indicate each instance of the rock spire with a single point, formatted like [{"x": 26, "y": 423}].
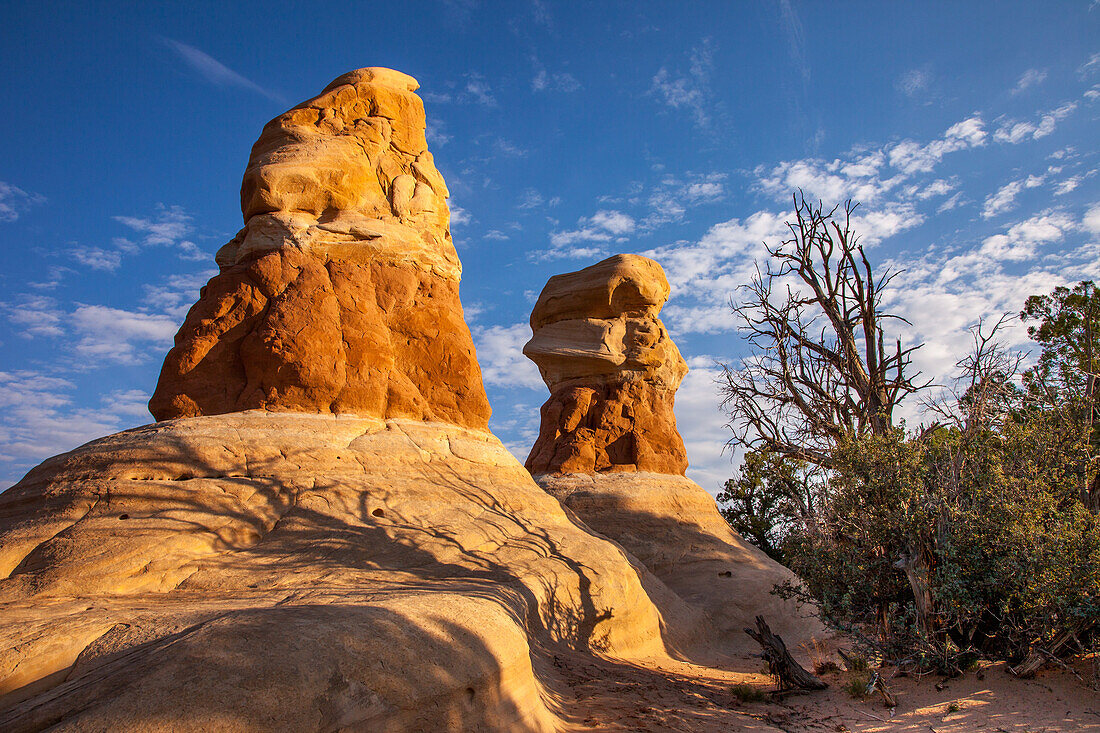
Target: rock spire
[
  {"x": 612, "y": 371},
  {"x": 340, "y": 294}
]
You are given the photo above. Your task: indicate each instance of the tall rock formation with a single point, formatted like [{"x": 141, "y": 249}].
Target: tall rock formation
[
  {"x": 260, "y": 559},
  {"x": 609, "y": 450},
  {"x": 340, "y": 294},
  {"x": 612, "y": 371}
]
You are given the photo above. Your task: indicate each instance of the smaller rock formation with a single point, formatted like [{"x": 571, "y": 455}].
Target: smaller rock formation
[
  {"x": 610, "y": 452},
  {"x": 612, "y": 371}
]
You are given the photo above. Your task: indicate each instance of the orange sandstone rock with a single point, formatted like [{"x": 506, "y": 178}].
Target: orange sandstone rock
[
  {"x": 612, "y": 371},
  {"x": 340, "y": 294}
]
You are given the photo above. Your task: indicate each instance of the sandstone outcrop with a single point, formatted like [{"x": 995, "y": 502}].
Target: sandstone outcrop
[
  {"x": 320, "y": 533},
  {"x": 612, "y": 371},
  {"x": 609, "y": 450},
  {"x": 340, "y": 294},
  {"x": 281, "y": 571}
]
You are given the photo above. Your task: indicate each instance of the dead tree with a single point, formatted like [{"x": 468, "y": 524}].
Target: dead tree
[
  {"x": 789, "y": 674},
  {"x": 822, "y": 367}
]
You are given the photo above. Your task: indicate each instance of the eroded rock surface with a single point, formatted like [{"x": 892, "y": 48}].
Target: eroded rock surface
[
  {"x": 612, "y": 371},
  {"x": 282, "y": 571},
  {"x": 340, "y": 294}
]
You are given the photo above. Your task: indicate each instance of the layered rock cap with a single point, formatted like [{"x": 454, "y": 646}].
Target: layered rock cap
[
  {"x": 612, "y": 371},
  {"x": 341, "y": 292}
]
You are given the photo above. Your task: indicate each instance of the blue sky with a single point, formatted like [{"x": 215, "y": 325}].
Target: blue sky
[{"x": 566, "y": 131}]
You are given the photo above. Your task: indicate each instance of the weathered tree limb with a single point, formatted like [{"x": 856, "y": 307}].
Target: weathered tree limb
[
  {"x": 1038, "y": 656},
  {"x": 788, "y": 673},
  {"x": 877, "y": 683}
]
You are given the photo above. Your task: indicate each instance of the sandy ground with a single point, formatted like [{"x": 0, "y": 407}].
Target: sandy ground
[{"x": 685, "y": 697}]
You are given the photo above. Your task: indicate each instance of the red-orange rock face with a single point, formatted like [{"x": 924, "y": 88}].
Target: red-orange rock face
[
  {"x": 341, "y": 292},
  {"x": 612, "y": 371}
]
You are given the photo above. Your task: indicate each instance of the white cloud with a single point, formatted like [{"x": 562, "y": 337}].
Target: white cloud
[
  {"x": 1064, "y": 187},
  {"x": 603, "y": 226},
  {"x": 97, "y": 258},
  {"x": 39, "y": 419},
  {"x": 167, "y": 226},
  {"x": 1021, "y": 241},
  {"x": 531, "y": 199},
  {"x": 175, "y": 294},
  {"x": 836, "y": 180},
  {"x": 911, "y": 157},
  {"x": 500, "y": 353},
  {"x": 113, "y": 335},
  {"x": 459, "y": 215},
  {"x": 708, "y": 191},
  {"x": 690, "y": 91},
  {"x": 913, "y": 82},
  {"x": 938, "y": 187},
  {"x": 436, "y": 132},
  {"x": 38, "y": 315},
  {"x": 1015, "y": 131},
  {"x": 1090, "y": 67},
  {"x": 14, "y": 201},
  {"x": 1030, "y": 78},
  {"x": 478, "y": 90},
  {"x": 954, "y": 202},
  {"x": 724, "y": 254},
  {"x": 215, "y": 71},
  {"x": 873, "y": 226},
  {"x": 1091, "y": 221},
  {"x": 1004, "y": 199},
  {"x": 702, "y": 424},
  {"x": 561, "y": 81}
]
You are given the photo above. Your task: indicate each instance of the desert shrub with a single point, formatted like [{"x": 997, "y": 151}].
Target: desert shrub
[
  {"x": 957, "y": 543},
  {"x": 748, "y": 693}
]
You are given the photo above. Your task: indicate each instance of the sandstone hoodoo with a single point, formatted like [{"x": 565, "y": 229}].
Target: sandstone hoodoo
[
  {"x": 321, "y": 533},
  {"x": 609, "y": 450},
  {"x": 340, "y": 294},
  {"x": 612, "y": 371}
]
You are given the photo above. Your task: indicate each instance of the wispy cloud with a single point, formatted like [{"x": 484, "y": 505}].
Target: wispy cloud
[
  {"x": 500, "y": 353},
  {"x": 561, "y": 81},
  {"x": 169, "y": 226},
  {"x": 914, "y": 83},
  {"x": 548, "y": 81},
  {"x": 14, "y": 201},
  {"x": 1090, "y": 67},
  {"x": 215, "y": 72},
  {"x": 474, "y": 90},
  {"x": 39, "y": 419},
  {"x": 1004, "y": 198},
  {"x": 603, "y": 226},
  {"x": 690, "y": 91},
  {"x": 1014, "y": 131},
  {"x": 1030, "y": 78}
]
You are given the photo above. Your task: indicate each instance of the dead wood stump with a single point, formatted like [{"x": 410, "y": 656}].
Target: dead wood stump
[{"x": 788, "y": 673}]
